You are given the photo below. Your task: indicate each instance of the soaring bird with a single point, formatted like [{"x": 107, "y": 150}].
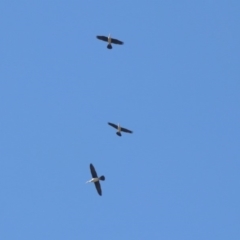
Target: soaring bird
[
  {"x": 119, "y": 129},
  {"x": 96, "y": 180},
  {"x": 109, "y": 40}
]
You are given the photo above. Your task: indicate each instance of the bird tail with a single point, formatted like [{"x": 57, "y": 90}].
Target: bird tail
[
  {"x": 109, "y": 46},
  {"x": 102, "y": 178},
  {"x": 119, "y": 134}
]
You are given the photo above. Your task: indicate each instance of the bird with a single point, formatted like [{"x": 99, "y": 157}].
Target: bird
[
  {"x": 119, "y": 129},
  {"x": 110, "y": 40},
  {"x": 96, "y": 180}
]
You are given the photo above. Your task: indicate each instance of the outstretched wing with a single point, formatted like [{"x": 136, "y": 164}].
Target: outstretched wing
[
  {"x": 103, "y": 38},
  {"x": 126, "y": 130},
  {"x": 113, "y": 40},
  {"x": 113, "y": 125},
  {"x": 98, "y": 187},
  {"x": 93, "y": 171}
]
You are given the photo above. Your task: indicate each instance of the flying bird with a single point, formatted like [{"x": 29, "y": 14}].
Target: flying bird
[
  {"x": 109, "y": 40},
  {"x": 119, "y": 129},
  {"x": 96, "y": 180}
]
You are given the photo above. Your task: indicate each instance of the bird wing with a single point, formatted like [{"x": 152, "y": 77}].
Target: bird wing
[
  {"x": 103, "y": 38},
  {"x": 113, "y": 125},
  {"x": 113, "y": 40},
  {"x": 93, "y": 171},
  {"x": 98, "y": 187},
  {"x": 126, "y": 130}
]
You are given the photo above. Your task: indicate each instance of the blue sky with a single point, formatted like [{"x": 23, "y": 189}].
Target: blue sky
[{"x": 174, "y": 82}]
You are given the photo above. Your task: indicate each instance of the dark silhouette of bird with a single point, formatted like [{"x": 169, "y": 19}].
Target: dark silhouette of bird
[
  {"x": 110, "y": 40},
  {"x": 119, "y": 129},
  {"x": 96, "y": 180}
]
